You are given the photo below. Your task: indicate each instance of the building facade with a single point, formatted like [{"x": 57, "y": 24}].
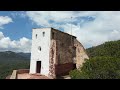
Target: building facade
[{"x": 55, "y": 53}]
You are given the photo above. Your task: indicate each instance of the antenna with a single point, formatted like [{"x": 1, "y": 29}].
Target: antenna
[
  {"x": 71, "y": 30},
  {"x": 50, "y": 20}
]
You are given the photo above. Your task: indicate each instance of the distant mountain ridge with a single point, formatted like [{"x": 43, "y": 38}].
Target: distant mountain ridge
[
  {"x": 110, "y": 49},
  {"x": 8, "y": 55},
  {"x": 26, "y": 55}
]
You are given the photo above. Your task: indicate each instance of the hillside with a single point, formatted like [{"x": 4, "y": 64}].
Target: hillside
[
  {"x": 9, "y": 55},
  {"x": 110, "y": 49},
  {"x": 25, "y": 55},
  {"x": 104, "y": 62},
  {"x": 10, "y": 61}
]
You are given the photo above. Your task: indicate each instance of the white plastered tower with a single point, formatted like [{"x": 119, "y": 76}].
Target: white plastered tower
[{"x": 39, "y": 63}]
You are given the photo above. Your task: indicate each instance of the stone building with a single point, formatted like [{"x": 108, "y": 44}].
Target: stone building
[{"x": 55, "y": 53}]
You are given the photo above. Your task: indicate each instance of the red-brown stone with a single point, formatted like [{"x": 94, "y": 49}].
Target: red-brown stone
[{"x": 64, "y": 69}]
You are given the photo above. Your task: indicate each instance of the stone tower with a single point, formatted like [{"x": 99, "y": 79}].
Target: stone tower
[{"x": 55, "y": 53}]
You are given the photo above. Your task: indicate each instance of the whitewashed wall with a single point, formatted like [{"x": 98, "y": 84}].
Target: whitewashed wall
[{"x": 36, "y": 54}]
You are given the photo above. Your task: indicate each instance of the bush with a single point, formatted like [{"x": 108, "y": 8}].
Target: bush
[
  {"x": 76, "y": 74},
  {"x": 98, "y": 68}
]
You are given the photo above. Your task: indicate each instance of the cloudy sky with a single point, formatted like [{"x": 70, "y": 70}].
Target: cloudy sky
[{"x": 90, "y": 27}]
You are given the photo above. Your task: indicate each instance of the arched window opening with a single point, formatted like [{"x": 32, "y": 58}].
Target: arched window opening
[
  {"x": 39, "y": 48},
  {"x": 43, "y": 34},
  {"x": 36, "y": 36}
]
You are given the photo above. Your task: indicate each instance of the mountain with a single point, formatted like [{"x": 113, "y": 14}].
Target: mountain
[
  {"x": 8, "y": 55},
  {"x": 110, "y": 49},
  {"x": 10, "y": 61},
  {"x": 26, "y": 55}
]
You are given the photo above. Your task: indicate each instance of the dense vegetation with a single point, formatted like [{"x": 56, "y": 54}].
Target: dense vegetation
[
  {"x": 104, "y": 63},
  {"x": 110, "y": 49},
  {"x": 10, "y": 61},
  {"x": 98, "y": 68}
]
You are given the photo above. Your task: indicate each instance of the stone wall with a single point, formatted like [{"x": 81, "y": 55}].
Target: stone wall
[
  {"x": 52, "y": 59},
  {"x": 66, "y": 54},
  {"x": 20, "y": 71},
  {"x": 14, "y": 74},
  {"x": 64, "y": 47},
  {"x": 64, "y": 69},
  {"x": 81, "y": 54},
  {"x": 62, "y": 53}
]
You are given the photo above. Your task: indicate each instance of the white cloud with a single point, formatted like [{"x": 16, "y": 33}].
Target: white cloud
[
  {"x": 104, "y": 27},
  {"x": 16, "y": 14},
  {"x": 22, "y": 45},
  {"x": 4, "y": 20},
  {"x": 43, "y": 17},
  {"x": 1, "y": 35}
]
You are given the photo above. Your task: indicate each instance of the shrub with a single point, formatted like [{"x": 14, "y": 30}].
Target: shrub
[
  {"x": 98, "y": 68},
  {"x": 76, "y": 74}
]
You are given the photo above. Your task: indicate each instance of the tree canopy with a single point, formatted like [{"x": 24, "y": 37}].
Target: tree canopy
[{"x": 104, "y": 63}]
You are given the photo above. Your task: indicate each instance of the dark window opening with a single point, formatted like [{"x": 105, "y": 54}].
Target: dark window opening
[
  {"x": 74, "y": 66},
  {"x": 39, "y": 48},
  {"x": 43, "y": 34},
  {"x": 53, "y": 35},
  {"x": 36, "y": 36}
]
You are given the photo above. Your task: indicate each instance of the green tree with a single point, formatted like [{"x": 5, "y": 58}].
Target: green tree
[{"x": 98, "y": 68}]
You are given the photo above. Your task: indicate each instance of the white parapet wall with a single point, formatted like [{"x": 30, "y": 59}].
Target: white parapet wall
[{"x": 14, "y": 74}]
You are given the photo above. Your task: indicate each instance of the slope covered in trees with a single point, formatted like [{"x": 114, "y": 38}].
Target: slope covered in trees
[
  {"x": 104, "y": 62},
  {"x": 111, "y": 49},
  {"x": 10, "y": 61}
]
